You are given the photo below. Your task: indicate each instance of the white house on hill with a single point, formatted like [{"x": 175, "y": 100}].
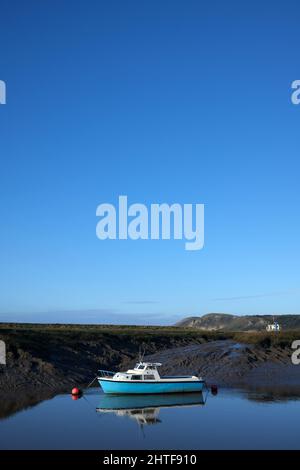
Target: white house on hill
[{"x": 273, "y": 327}]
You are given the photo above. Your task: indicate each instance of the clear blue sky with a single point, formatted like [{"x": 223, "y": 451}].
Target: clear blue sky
[{"x": 164, "y": 101}]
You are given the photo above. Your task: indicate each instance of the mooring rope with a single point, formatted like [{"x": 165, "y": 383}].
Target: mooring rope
[{"x": 92, "y": 382}]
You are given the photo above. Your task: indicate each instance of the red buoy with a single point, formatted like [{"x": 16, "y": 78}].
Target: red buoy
[
  {"x": 76, "y": 391},
  {"x": 214, "y": 389}
]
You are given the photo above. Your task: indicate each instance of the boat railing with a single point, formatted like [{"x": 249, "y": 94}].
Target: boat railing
[{"x": 105, "y": 373}]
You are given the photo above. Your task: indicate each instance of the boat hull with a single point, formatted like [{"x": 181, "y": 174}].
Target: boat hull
[{"x": 128, "y": 388}]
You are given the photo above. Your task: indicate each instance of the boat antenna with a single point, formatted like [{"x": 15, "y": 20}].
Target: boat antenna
[{"x": 141, "y": 354}]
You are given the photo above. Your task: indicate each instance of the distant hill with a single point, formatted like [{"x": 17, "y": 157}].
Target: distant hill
[{"x": 227, "y": 322}]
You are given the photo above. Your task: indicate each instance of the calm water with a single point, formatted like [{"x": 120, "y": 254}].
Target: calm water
[{"x": 230, "y": 420}]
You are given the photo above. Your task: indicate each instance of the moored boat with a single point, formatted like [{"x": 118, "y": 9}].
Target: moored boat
[{"x": 144, "y": 378}]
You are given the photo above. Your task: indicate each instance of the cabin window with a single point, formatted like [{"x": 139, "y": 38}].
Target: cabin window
[
  {"x": 149, "y": 377},
  {"x": 136, "y": 377},
  {"x": 141, "y": 367}
]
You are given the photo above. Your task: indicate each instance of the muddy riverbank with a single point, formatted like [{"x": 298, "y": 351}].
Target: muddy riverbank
[
  {"x": 57, "y": 357},
  {"x": 230, "y": 364}
]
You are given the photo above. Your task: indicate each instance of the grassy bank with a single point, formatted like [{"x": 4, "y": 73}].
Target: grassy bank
[{"x": 24, "y": 331}]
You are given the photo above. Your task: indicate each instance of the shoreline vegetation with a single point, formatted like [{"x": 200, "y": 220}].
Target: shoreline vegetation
[{"x": 283, "y": 338}]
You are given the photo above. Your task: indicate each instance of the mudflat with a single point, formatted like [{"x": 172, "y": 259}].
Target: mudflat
[
  {"x": 231, "y": 364},
  {"x": 56, "y": 357}
]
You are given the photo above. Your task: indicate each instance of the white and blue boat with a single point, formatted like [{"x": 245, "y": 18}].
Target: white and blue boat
[{"x": 144, "y": 378}]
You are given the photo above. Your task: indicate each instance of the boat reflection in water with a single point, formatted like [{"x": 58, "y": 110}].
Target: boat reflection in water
[{"x": 145, "y": 408}]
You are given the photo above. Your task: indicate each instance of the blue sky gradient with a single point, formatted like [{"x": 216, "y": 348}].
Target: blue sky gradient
[{"x": 163, "y": 101}]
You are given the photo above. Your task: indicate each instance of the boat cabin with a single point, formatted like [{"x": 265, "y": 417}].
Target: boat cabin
[{"x": 141, "y": 371}]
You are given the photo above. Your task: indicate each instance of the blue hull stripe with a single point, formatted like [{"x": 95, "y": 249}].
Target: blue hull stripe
[{"x": 111, "y": 386}]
